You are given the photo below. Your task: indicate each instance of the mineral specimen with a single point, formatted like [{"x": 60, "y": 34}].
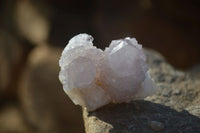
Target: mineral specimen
[{"x": 93, "y": 78}]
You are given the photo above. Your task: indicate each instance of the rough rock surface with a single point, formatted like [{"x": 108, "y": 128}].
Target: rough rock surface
[{"x": 174, "y": 107}]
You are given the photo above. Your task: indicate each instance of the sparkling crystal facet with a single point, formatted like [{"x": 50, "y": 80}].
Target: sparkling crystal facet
[{"x": 92, "y": 77}]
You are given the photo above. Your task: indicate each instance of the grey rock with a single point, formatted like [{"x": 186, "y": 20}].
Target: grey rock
[
  {"x": 173, "y": 108},
  {"x": 155, "y": 125},
  {"x": 178, "y": 90}
]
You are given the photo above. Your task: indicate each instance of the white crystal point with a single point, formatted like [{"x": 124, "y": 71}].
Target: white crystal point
[
  {"x": 92, "y": 77},
  {"x": 149, "y": 87},
  {"x": 79, "y": 70},
  {"x": 123, "y": 70}
]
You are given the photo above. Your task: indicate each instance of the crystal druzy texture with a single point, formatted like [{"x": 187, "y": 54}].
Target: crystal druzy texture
[{"x": 93, "y": 78}]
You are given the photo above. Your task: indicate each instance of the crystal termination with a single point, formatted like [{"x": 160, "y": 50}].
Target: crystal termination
[{"x": 93, "y": 78}]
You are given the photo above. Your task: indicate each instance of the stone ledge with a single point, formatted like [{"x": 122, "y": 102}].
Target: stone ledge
[
  {"x": 137, "y": 117},
  {"x": 173, "y": 108}
]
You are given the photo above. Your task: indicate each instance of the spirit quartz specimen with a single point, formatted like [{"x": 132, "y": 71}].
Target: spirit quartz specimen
[{"x": 93, "y": 78}]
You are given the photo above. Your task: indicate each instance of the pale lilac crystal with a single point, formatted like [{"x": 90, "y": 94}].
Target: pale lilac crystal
[
  {"x": 92, "y": 77},
  {"x": 79, "y": 70},
  {"x": 123, "y": 70}
]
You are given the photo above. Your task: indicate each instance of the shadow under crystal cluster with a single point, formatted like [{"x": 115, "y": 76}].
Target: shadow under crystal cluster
[{"x": 93, "y": 78}]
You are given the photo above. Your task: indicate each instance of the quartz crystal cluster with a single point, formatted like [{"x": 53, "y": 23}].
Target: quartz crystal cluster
[{"x": 93, "y": 78}]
